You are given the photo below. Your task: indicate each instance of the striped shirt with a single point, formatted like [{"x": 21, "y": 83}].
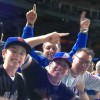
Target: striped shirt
[{"x": 90, "y": 81}]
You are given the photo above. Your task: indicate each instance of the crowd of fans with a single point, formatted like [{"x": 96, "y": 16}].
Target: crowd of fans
[{"x": 51, "y": 75}]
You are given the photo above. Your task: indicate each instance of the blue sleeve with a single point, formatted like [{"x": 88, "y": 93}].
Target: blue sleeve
[
  {"x": 80, "y": 43},
  {"x": 43, "y": 61},
  {"x": 95, "y": 60},
  {"x": 28, "y": 32}
]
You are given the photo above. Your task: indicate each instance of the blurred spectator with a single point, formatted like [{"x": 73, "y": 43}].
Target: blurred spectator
[
  {"x": 91, "y": 67},
  {"x": 94, "y": 95},
  {"x": 1, "y": 47}
]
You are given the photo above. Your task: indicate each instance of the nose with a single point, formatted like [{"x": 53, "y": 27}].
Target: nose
[
  {"x": 51, "y": 50},
  {"x": 83, "y": 66},
  {"x": 60, "y": 67},
  {"x": 17, "y": 54}
]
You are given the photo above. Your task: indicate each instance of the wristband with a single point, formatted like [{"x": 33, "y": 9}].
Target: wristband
[
  {"x": 28, "y": 24},
  {"x": 84, "y": 30}
]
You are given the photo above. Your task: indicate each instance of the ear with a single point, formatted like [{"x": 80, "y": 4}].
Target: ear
[
  {"x": 67, "y": 72},
  {"x": 3, "y": 53},
  {"x": 26, "y": 58}
]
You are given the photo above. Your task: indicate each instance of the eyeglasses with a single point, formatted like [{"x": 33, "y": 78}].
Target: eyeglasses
[{"x": 84, "y": 61}]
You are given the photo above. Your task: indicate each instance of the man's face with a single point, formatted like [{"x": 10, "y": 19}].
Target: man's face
[
  {"x": 14, "y": 56},
  {"x": 49, "y": 50},
  {"x": 58, "y": 68},
  {"x": 81, "y": 63}
]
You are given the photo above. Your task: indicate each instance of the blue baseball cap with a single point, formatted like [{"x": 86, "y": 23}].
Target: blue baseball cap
[
  {"x": 17, "y": 41},
  {"x": 63, "y": 55}
]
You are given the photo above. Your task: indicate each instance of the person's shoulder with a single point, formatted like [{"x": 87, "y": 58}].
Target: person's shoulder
[
  {"x": 66, "y": 91},
  {"x": 67, "y": 77},
  {"x": 87, "y": 75},
  {"x": 2, "y": 70},
  {"x": 29, "y": 62},
  {"x": 20, "y": 77},
  {"x": 40, "y": 53},
  {"x": 65, "y": 88},
  {"x": 19, "y": 74}
]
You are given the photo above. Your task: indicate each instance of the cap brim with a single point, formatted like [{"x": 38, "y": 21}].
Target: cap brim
[
  {"x": 23, "y": 44},
  {"x": 70, "y": 65}
]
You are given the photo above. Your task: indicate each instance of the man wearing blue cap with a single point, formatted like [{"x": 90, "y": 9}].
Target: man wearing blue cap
[
  {"x": 11, "y": 83},
  {"x": 45, "y": 84},
  {"x": 14, "y": 54}
]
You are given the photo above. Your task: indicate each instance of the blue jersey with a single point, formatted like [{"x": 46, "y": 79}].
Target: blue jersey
[
  {"x": 80, "y": 43},
  {"x": 39, "y": 86}
]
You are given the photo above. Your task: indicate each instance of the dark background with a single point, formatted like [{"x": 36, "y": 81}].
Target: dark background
[{"x": 53, "y": 15}]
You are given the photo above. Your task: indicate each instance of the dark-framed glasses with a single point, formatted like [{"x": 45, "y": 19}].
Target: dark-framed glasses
[{"x": 84, "y": 61}]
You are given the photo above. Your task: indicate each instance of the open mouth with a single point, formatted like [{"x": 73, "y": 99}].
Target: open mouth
[{"x": 15, "y": 60}]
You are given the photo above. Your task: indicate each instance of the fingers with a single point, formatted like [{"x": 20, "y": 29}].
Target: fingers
[
  {"x": 60, "y": 34},
  {"x": 85, "y": 20},
  {"x": 83, "y": 15},
  {"x": 33, "y": 11},
  {"x": 63, "y": 34},
  {"x": 34, "y": 7},
  {"x": 55, "y": 41}
]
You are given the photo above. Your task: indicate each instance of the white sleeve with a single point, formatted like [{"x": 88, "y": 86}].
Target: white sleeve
[{"x": 92, "y": 82}]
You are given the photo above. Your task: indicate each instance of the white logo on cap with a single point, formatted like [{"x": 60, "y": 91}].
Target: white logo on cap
[{"x": 65, "y": 55}]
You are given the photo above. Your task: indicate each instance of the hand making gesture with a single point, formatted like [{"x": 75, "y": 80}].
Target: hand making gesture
[
  {"x": 31, "y": 16},
  {"x": 54, "y": 37},
  {"x": 84, "y": 22}
]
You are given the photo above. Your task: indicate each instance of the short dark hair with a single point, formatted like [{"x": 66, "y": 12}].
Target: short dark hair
[{"x": 87, "y": 50}]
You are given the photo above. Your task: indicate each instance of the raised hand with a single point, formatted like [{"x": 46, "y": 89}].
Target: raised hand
[
  {"x": 80, "y": 86},
  {"x": 54, "y": 37},
  {"x": 98, "y": 95},
  {"x": 84, "y": 22},
  {"x": 31, "y": 16}
]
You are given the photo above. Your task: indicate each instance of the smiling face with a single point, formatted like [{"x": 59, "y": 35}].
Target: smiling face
[
  {"x": 14, "y": 56},
  {"x": 81, "y": 62},
  {"x": 58, "y": 68},
  {"x": 50, "y": 49}
]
